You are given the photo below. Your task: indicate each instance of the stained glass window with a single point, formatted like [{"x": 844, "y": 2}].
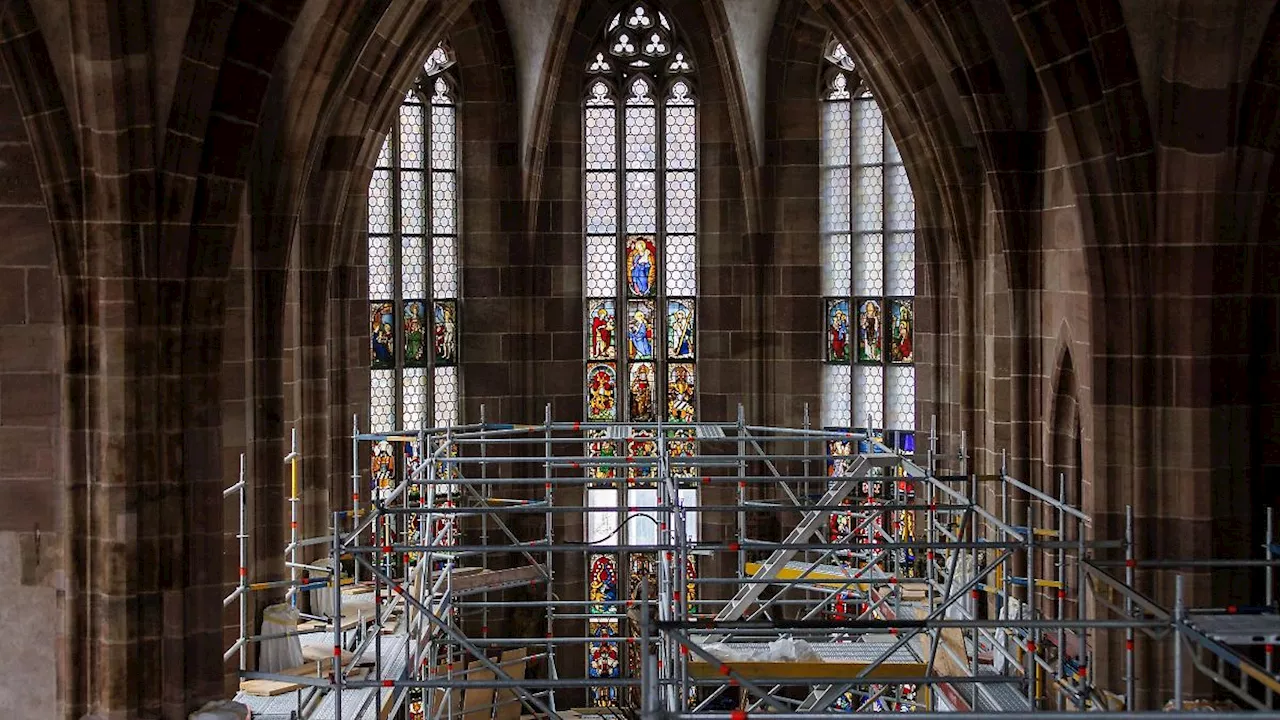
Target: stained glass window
[
  {"x": 640, "y": 276},
  {"x": 868, "y": 264},
  {"x": 413, "y": 273}
]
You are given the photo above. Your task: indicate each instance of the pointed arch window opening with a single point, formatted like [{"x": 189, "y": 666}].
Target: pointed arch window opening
[
  {"x": 640, "y": 190},
  {"x": 414, "y": 276}
]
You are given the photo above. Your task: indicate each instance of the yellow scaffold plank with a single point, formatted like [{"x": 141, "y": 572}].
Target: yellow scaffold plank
[
  {"x": 757, "y": 670},
  {"x": 830, "y": 580}
]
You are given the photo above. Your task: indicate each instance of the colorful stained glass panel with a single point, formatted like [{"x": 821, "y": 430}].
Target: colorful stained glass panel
[
  {"x": 382, "y": 341},
  {"x": 601, "y": 448},
  {"x": 602, "y": 393},
  {"x": 681, "y": 387},
  {"x": 641, "y": 393},
  {"x": 604, "y": 332},
  {"x": 640, "y": 330},
  {"x": 837, "y": 330},
  {"x": 602, "y": 583},
  {"x": 642, "y": 267},
  {"x": 445, "y": 331},
  {"x": 415, "y": 333},
  {"x": 382, "y": 470},
  {"x": 901, "y": 335},
  {"x": 642, "y": 444},
  {"x": 680, "y": 329},
  {"x": 870, "y": 331}
]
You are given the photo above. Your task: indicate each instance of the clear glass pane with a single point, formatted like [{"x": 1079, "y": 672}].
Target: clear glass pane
[
  {"x": 444, "y": 203},
  {"x": 411, "y": 135},
  {"x": 868, "y": 267},
  {"x": 601, "y": 151},
  {"x": 411, "y": 199},
  {"x": 682, "y": 265},
  {"x": 444, "y": 138},
  {"x": 380, "y": 202},
  {"x": 868, "y": 395},
  {"x": 835, "y": 200},
  {"x": 688, "y": 500},
  {"x": 382, "y": 402},
  {"x": 601, "y": 266},
  {"x": 682, "y": 206},
  {"x": 641, "y": 138},
  {"x": 837, "y": 264},
  {"x": 380, "y": 285},
  {"x": 602, "y": 201},
  {"x": 837, "y": 381},
  {"x": 642, "y": 527},
  {"x": 384, "y": 155},
  {"x": 415, "y": 399},
  {"x": 901, "y": 276},
  {"x": 868, "y": 132},
  {"x": 642, "y": 204},
  {"x": 682, "y": 151},
  {"x": 602, "y": 525},
  {"x": 901, "y": 205},
  {"x": 413, "y": 268},
  {"x": 868, "y": 202},
  {"x": 835, "y": 133},
  {"x": 446, "y": 399},
  {"x": 902, "y": 397},
  {"x": 444, "y": 267}
]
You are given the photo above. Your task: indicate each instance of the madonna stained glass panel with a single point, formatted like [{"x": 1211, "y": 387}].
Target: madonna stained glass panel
[{"x": 868, "y": 262}]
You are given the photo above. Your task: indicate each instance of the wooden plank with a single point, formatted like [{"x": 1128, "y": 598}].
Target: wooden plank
[
  {"x": 271, "y": 688},
  {"x": 816, "y": 671},
  {"x": 512, "y": 663},
  {"x": 323, "y": 653},
  {"x": 493, "y": 578},
  {"x": 477, "y": 703}
]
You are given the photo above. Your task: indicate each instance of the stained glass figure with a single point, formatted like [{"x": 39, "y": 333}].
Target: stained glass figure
[
  {"x": 642, "y": 444},
  {"x": 445, "y": 334},
  {"x": 602, "y": 392},
  {"x": 415, "y": 333},
  {"x": 641, "y": 265},
  {"x": 601, "y": 448},
  {"x": 601, "y": 315},
  {"x": 838, "y": 331},
  {"x": 691, "y": 577},
  {"x": 680, "y": 329},
  {"x": 640, "y": 330},
  {"x": 870, "y": 332},
  {"x": 839, "y": 458},
  {"x": 382, "y": 339},
  {"x": 680, "y": 391},
  {"x": 602, "y": 583},
  {"x": 900, "y": 331},
  {"x": 640, "y": 392},
  {"x": 383, "y": 468},
  {"x": 644, "y": 576}
]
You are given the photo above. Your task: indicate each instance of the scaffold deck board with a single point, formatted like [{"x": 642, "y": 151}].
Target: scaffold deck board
[
  {"x": 832, "y": 577},
  {"x": 1239, "y": 629},
  {"x": 840, "y": 660}
]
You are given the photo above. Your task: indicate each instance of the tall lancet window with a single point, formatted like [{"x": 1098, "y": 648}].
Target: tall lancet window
[
  {"x": 868, "y": 263},
  {"x": 640, "y": 189},
  {"x": 413, "y": 268}
]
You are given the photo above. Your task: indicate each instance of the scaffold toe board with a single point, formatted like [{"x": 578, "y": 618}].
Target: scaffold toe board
[{"x": 831, "y": 577}]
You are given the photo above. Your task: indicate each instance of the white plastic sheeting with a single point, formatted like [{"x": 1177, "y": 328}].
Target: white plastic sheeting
[
  {"x": 280, "y": 653},
  {"x": 221, "y": 710},
  {"x": 780, "y": 650}
]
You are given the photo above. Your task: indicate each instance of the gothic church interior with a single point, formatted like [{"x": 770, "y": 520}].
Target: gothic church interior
[{"x": 503, "y": 359}]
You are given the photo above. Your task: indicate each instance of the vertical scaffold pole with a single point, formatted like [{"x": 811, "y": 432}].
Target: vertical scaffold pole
[
  {"x": 972, "y": 495},
  {"x": 292, "y": 460},
  {"x": 1029, "y": 609},
  {"x": 1129, "y": 571},
  {"x": 487, "y": 491},
  {"x": 549, "y": 497},
  {"x": 1178, "y": 615},
  {"x": 355, "y": 485},
  {"x": 1268, "y": 579},
  {"x": 336, "y": 583},
  {"x": 243, "y": 539},
  {"x": 1060, "y": 558},
  {"x": 742, "y": 490}
]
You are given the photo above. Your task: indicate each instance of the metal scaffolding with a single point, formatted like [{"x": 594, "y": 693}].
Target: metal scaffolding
[{"x": 883, "y": 584}]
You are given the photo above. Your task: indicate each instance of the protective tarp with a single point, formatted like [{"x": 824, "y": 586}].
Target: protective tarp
[
  {"x": 780, "y": 650},
  {"x": 279, "y": 653},
  {"x": 221, "y": 710}
]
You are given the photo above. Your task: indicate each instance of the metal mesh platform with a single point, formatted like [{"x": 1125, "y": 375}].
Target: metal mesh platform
[
  {"x": 999, "y": 697},
  {"x": 1239, "y": 629}
]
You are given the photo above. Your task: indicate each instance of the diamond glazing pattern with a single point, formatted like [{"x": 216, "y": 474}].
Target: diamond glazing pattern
[
  {"x": 411, "y": 135},
  {"x": 868, "y": 393},
  {"x": 602, "y": 201},
  {"x": 835, "y": 133},
  {"x": 836, "y": 383},
  {"x": 444, "y": 203},
  {"x": 901, "y": 275},
  {"x": 380, "y": 287},
  {"x": 601, "y": 262},
  {"x": 411, "y": 199},
  {"x": 446, "y": 399},
  {"x": 642, "y": 204},
  {"x": 382, "y": 402},
  {"x": 444, "y": 138},
  {"x": 414, "y": 399},
  {"x": 444, "y": 266},
  {"x": 837, "y": 265},
  {"x": 380, "y": 202},
  {"x": 413, "y": 269},
  {"x": 601, "y": 138}
]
